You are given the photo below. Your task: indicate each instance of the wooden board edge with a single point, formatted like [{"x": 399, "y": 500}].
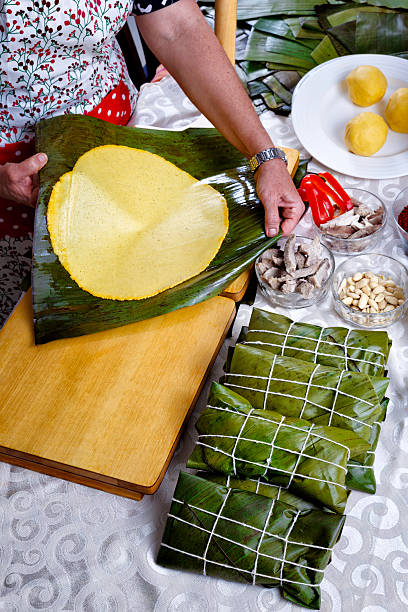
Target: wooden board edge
[{"x": 31, "y": 464}]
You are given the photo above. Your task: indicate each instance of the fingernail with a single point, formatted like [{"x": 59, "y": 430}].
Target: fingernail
[
  {"x": 42, "y": 157},
  {"x": 272, "y": 231}
]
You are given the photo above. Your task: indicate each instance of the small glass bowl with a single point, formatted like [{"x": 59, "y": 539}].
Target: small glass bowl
[
  {"x": 296, "y": 300},
  {"x": 400, "y": 202},
  {"x": 350, "y": 246},
  {"x": 378, "y": 264}
]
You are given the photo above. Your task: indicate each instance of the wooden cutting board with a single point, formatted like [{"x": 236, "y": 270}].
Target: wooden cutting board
[{"x": 107, "y": 409}]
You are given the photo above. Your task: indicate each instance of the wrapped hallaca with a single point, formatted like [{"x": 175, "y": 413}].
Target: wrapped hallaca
[
  {"x": 360, "y": 475},
  {"x": 311, "y": 460},
  {"x": 260, "y": 487},
  {"x": 238, "y": 535},
  {"x": 359, "y": 350},
  {"x": 322, "y": 395}
]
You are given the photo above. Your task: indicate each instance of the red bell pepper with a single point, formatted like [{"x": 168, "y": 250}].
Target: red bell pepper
[
  {"x": 345, "y": 203},
  {"x": 321, "y": 206}
]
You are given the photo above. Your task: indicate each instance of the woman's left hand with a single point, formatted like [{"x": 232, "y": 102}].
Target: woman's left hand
[{"x": 279, "y": 196}]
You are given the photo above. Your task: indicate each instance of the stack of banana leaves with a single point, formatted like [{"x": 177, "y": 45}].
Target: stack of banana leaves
[
  {"x": 287, "y": 38},
  {"x": 281, "y": 435}
]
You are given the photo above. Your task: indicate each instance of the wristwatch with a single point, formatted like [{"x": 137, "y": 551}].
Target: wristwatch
[{"x": 266, "y": 155}]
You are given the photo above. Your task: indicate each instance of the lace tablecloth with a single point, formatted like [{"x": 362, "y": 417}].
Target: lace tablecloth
[{"x": 68, "y": 547}]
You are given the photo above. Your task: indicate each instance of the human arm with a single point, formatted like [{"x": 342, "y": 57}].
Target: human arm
[
  {"x": 181, "y": 38},
  {"x": 19, "y": 182}
]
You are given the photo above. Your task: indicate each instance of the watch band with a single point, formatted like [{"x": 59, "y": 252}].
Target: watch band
[{"x": 266, "y": 155}]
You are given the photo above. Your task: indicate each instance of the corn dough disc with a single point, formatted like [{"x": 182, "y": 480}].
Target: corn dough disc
[{"x": 127, "y": 224}]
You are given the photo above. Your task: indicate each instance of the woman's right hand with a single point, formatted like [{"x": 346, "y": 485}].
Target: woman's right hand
[{"x": 19, "y": 182}]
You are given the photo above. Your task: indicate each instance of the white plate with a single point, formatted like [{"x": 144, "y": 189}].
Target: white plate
[{"x": 321, "y": 108}]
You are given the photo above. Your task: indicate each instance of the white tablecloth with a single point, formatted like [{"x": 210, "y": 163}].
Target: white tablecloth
[{"x": 68, "y": 547}]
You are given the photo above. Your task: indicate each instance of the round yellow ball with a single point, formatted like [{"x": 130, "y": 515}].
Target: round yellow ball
[
  {"x": 365, "y": 134},
  {"x": 366, "y": 85},
  {"x": 396, "y": 111}
]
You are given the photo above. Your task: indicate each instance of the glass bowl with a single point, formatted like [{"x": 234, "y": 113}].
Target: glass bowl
[
  {"x": 400, "y": 202},
  {"x": 350, "y": 246},
  {"x": 378, "y": 264},
  {"x": 296, "y": 300}
]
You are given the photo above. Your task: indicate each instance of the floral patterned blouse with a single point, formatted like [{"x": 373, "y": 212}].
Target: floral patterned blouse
[{"x": 60, "y": 56}]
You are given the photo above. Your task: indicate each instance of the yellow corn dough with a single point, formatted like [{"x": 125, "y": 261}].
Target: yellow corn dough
[{"x": 127, "y": 224}]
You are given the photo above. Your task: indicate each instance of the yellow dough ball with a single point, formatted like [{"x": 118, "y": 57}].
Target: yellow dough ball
[
  {"x": 366, "y": 85},
  {"x": 365, "y": 134},
  {"x": 396, "y": 112}
]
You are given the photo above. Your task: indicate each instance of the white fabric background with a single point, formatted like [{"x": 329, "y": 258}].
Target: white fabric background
[{"x": 68, "y": 547}]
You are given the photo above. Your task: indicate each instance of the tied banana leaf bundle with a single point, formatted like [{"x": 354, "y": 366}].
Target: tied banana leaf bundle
[
  {"x": 360, "y": 475},
  {"x": 358, "y": 350},
  {"x": 260, "y": 487},
  {"x": 322, "y": 395},
  {"x": 238, "y": 535},
  {"x": 311, "y": 460}
]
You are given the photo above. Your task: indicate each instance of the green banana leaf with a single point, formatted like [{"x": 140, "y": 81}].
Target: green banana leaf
[
  {"x": 289, "y": 392},
  {"x": 323, "y": 395},
  {"x": 305, "y": 27},
  {"x": 238, "y": 535},
  {"x": 277, "y": 88},
  {"x": 61, "y": 308},
  {"x": 331, "y": 16},
  {"x": 381, "y": 33},
  {"x": 367, "y": 351},
  {"x": 266, "y": 48},
  {"x": 260, "y": 487},
  {"x": 360, "y": 474},
  {"x": 310, "y": 460},
  {"x": 248, "y": 9},
  {"x": 345, "y": 34},
  {"x": 324, "y": 51}
]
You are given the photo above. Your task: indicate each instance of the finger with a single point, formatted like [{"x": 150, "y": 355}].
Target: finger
[
  {"x": 272, "y": 220},
  {"x": 30, "y": 166},
  {"x": 34, "y": 197}
]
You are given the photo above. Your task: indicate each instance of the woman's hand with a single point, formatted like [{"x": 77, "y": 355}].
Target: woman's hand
[
  {"x": 19, "y": 182},
  {"x": 277, "y": 192}
]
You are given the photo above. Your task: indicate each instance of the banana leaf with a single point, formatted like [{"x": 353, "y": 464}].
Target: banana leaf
[
  {"x": 305, "y": 27},
  {"x": 367, "y": 351},
  {"x": 260, "y": 487},
  {"x": 360, "y": 474},
  {"x": 308, "y": 459},
  {"x": 238, "y": 535},
  {"x": 248, "y": 9},
  {"x": 341, "y": 398},
  {"x": 61, "y": 308},
  {"x": 323, "y": 395},
  {"x": 381, "y": 33},
  {"x": 324, "y": 51},
  {"x": 277, "y": 88},
  {"x": 331, "y": 16},
  {"x": 266, "y": 48},
  {"x": 345, "y": 34}
]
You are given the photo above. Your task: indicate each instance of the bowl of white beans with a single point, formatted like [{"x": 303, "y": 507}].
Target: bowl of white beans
[{"x": 370, "y": 290}]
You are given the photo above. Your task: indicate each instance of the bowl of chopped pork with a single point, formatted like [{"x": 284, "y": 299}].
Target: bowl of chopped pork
[
  {"x": 358, "y": 229},
  {"x": 295, "y": 273}
]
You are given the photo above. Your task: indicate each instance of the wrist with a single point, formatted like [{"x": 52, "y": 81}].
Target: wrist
[{"x": 265, "y": 156}]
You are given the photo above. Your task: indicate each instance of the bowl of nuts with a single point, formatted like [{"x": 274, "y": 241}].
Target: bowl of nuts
[{"x": 370, "y": 290}]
